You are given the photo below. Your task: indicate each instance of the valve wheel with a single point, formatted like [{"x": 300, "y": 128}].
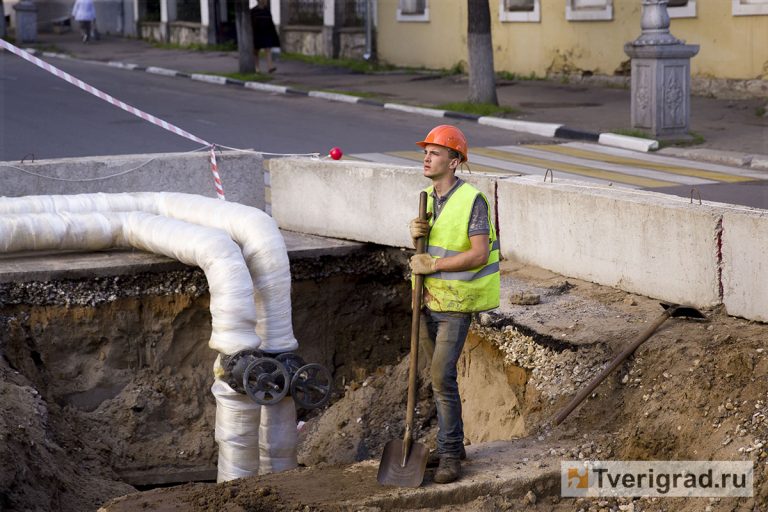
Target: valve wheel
[
  {"x": 266, "y": 381},
  {"x": 292, "y": 362},
  {"x": 311, "y": 386}
]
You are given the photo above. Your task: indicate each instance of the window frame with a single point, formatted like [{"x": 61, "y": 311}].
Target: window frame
[
  {"x": 574, "y": 14},
  {"x": 417, "y": 18},
  {"x": 687, "y": 11},
  {"x": 740, "y": 8},
  {"x": 533, "y": 16}
]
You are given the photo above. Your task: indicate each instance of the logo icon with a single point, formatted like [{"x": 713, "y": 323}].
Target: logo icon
[{"x": 578, "y": 479}]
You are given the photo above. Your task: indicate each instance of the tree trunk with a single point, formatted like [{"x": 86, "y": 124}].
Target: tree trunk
[
  {"x": 244, "y": 37},
  {"x": 2, "y": 20},
  {"x": 482, "y": 77}
]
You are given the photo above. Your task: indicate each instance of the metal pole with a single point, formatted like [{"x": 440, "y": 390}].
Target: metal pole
[{"x": 368, "y": 55}]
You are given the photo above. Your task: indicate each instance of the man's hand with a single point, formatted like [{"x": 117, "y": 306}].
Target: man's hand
[
  {"x": 423, "y": 264},
  {"x": 419, "y": 228}
]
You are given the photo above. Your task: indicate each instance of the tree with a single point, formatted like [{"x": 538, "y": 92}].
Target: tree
[
  {"x": 247, "y": 63},
  {"x": 482, "y": 78},
  {"x": 2, "y": 20}
]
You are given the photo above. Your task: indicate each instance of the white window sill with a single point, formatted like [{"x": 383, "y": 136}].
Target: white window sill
[
  {"x": 687, "y": 11},
  {"x": 589, "y": 14},
  {"x": 749, "y": 8},
  {"x": 418, "y": 18}
]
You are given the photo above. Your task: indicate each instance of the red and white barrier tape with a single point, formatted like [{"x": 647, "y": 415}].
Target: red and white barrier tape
[
  {"x": 215, "y": 171},
  {"x": 119, "y": 104}
]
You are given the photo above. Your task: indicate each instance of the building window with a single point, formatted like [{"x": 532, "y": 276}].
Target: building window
[
  {"x": 412, "y": 10},
  {"x": 749, "y": 7},
  {"x": 681, "y": 8},
  {"x": 588, "y": 10},
  {"x": 520, "y": 10}
]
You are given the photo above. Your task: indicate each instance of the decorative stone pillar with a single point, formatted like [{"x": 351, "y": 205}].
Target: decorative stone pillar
[
  {"x": 661, "y": 75},
  {"x": 26, "y": 21}
]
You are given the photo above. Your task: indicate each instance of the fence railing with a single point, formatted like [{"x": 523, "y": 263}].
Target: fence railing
[{"x": 301, "y": 12}]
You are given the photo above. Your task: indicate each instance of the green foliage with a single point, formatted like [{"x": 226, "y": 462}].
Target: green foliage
[
  {"x": 456, "y": 69},
  {"x": 696, "y": 139},
  {"x": 509, "y": 75},
  {"x": 478, "y": 109},
  {"x": 360, "y": 66},
  {"x": 197, "y": 47},
  {"x": 760, "y": 111}
]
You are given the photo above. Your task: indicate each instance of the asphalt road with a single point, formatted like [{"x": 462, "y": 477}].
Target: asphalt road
[{"x": 43, "y": 115}]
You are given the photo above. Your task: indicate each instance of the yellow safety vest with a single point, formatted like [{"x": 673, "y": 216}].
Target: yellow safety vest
[{"x": 471, "y": 290}]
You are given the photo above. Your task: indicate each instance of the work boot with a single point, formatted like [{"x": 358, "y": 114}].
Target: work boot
[
  {"x": 434, "y": 458},
  {"x": 448, "y": 471}
]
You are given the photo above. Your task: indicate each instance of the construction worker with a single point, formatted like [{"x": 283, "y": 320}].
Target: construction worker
[{"x": 461, "y": 277}]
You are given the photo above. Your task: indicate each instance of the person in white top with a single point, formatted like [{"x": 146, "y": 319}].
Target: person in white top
[{"x": 85, "y": 14}]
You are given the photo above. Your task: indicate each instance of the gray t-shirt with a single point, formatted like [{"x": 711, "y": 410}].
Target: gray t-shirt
[{"x": 478, "y": 220}]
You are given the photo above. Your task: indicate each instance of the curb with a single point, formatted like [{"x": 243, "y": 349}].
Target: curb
[{"x": 536, "y": 128}]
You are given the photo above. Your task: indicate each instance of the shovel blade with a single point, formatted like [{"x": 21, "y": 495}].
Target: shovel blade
[
  {"x": 391, "y": 469},
  {"x": 683, "y": 311}
]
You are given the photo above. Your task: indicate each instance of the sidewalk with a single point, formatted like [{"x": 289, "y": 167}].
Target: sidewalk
[{"x": 725, "y": 125}]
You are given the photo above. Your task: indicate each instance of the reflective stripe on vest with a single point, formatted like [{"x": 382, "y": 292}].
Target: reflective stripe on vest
[{"x": 470, "y": 290}]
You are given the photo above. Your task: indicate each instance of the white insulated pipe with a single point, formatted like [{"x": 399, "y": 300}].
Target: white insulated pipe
[
  {"x": 256, "y": 232},
  {"x": 238, "y": 419}
]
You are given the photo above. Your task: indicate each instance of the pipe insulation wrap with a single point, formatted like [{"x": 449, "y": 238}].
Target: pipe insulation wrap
[
  {"x": 278, "y": 437},
  {"x": 237, "y": 433},
  {"x": 233, "y": 312},
  {"x": 243, "y": 287},
  {"x": 256, "y": 232}
]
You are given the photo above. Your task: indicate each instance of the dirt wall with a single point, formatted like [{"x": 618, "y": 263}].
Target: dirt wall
[{"x": 107, "y": 377}]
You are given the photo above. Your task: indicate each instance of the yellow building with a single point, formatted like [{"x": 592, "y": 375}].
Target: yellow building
[{"x": 542, "y": 37}]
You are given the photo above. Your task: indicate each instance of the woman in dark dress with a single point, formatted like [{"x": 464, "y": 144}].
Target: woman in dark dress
[{"x": 264, "y": 34}]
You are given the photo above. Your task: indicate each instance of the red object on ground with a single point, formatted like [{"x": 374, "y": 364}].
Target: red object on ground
[{"x": 336, "y": 153}]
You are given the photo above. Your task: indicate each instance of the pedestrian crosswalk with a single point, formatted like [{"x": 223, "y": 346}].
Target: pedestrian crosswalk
[{"x": 586, "y": 162}]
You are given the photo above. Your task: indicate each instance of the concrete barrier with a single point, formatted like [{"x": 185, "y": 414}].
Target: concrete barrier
[
  {"x": 241, "y": 173},
  {"x": 352, "y": 200},
  {"x": 647, "y": 243},
  {"x": 745, "y": 264}
]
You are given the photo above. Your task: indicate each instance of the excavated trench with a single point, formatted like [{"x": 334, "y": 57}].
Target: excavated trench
[
  {"x": 106, "y": 380},
  {"x": 105, "y": 388}
]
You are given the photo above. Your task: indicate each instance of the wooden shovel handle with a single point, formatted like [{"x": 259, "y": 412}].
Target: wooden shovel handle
[{"x": 421, "y": 244}]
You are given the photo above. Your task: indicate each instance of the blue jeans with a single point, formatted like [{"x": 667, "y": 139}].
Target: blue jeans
[{"x": 441, "y": 337}]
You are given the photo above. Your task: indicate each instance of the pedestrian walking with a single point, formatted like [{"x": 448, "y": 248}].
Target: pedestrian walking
[
  {"x": 461, "y": 277},
  {"x": 264, "y": 33},
  {"x": 85, "y": 14}
]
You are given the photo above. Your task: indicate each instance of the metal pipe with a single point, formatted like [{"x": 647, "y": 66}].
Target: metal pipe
[{"x": 673, "y": 310}]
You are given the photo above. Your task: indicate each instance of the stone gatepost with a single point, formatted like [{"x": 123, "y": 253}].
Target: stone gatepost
[
  {"x": 26, "y": 22},
  {"x": 661, "y": 75}
]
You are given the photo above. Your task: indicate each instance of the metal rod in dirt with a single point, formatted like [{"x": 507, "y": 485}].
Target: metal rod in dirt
[{"x": 587, "y": 390}]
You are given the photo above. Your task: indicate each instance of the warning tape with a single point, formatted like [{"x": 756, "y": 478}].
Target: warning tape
[
  {"x": 215, "y": 171},
  {"x": 119, "y": 104}
]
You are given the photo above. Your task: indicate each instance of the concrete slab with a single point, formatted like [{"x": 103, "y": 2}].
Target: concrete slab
[
  {"x": 241, "y": 174},
  {"x": 745, "y": 264},
  {"x": 360, "y": 201},
  {"x": 639, "y": 242}
]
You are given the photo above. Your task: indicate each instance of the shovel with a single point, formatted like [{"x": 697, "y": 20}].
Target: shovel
[
  {"x": 670, "y": 310},
  {"x": 403, "y": 462}
]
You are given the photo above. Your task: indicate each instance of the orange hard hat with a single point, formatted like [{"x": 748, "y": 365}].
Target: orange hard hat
[{"x": 448, "y": 136}]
